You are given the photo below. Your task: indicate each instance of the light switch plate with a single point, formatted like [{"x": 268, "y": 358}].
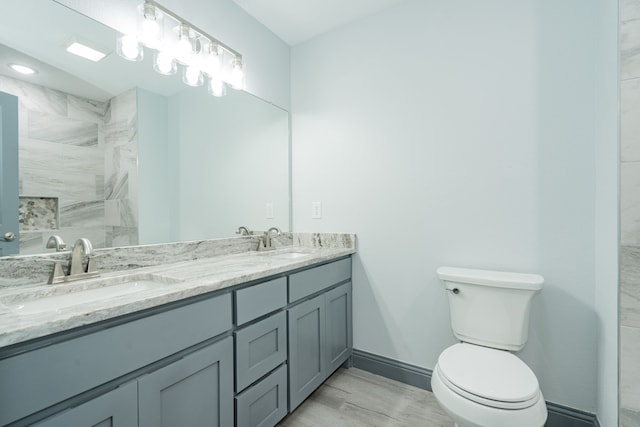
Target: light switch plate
[{"x": 268, "y": 209}]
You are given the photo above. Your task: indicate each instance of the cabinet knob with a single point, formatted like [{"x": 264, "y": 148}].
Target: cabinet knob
[{"x": 9, "y": 236}]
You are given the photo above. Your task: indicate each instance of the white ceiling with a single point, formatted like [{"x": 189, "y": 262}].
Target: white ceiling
[{"x": 296, "y": 21}]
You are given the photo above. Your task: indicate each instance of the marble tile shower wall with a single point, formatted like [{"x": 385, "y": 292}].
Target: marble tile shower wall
[
  {"x": 76, "y": 151},
  {"x": 121, "y": 171},
  {"x": 630, "y": 214}
]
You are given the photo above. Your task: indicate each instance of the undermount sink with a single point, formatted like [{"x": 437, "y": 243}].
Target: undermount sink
[
  {"x": 291, "y": 255},
  {"x": 285, "y": 254},
  {"x": 58, "y": 298}
]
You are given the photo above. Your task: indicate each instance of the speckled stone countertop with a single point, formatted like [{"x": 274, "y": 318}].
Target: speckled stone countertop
[{"x": 20, "y": 322}]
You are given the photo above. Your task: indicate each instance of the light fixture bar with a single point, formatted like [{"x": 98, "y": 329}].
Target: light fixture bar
[{"x": 193, "y": 27}]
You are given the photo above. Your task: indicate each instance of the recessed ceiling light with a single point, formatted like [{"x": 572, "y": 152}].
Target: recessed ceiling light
[
  {"x": 22, "y": 69},
  {"x": 85, "y": 51}
]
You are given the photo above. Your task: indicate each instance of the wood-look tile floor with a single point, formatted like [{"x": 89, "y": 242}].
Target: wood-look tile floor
[{"x": 356, "y": 398}]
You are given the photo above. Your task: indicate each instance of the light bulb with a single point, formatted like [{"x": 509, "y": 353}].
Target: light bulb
[
  {"x": 150, "y": 29},
  {"x": 192, "y": 76},
  {"x": 212, "y": 62},
  {"x": 237, "y": 74},
  {"x": 150, "y": 25},
  {"x": 184, "y": 47},
  {"x": 129, "y": 48},
  {"x": 164, "y": 63},
  {"x": 217, "y": 87}
]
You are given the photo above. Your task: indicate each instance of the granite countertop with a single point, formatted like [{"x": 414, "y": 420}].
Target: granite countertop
[{"x": 165, "y": 283}]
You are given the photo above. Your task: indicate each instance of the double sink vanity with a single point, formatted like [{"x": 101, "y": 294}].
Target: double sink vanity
[{"x": 236, "y": 338}]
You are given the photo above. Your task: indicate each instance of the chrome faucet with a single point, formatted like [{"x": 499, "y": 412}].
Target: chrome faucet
[
  {"x": 56, "y": 242},
  {"x": 82, "y": 247},
  {"x": 264, "y": 244},
  {"x": 243, "y": 231},
  {"x": 77, "y": 269}
]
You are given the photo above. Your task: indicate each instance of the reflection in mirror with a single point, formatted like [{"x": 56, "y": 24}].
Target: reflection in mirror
[{"x": 116, "y": 153}]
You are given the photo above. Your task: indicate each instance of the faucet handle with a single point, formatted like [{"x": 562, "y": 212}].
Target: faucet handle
[{"x": 56, "y": 242}]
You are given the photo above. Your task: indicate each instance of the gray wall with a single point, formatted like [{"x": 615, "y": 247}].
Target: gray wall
[{"x": 461, "y": 133}]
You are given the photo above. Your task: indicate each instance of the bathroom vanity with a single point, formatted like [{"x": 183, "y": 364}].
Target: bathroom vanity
[{"x": 229, "y": 340}]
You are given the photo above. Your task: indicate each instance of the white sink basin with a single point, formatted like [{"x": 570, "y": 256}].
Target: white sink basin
[
  {"x": 58, "y": 298},
  {"x": 285, "y": 254},
  {"x": 291, "y": 255}
]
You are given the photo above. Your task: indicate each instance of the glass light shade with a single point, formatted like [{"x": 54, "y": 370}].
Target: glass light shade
[
  {"x": 164, "y": 63},
  {"x": 211, "y": 60},
  {"x": 129, "y": 48},
  {"x": 236, "y": 78},
  {"x": 185, "y": 47},
  {"x": 192, "y": 76},
  {"x": 150, "y": 25},
  {"x": 217, "y": 87}
]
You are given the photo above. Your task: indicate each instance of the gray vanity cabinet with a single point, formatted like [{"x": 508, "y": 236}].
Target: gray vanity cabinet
[
  {"x": 307, "y": 361},
  {"x": 320, "y": 328},
  {"x": 339, "y": 326},
  {"x": 195, "y": 391},
  {"x": 117, "y": 408}
]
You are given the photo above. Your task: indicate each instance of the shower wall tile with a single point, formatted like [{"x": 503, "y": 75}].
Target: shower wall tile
[
  {"x": 70, "y": 234},
  {"x": 66, "y": 185},
  {"x": 629, "y": 418},
  {"x": 32, "y": 242},
  {"x": 630, "y": 120},
  {"x": 61, "y": 129},
  {"x": 630, "y": 203},
  {"x": 87, "y": 213},
  {"x": 630, "y": 286},
  {"x": 88, "y": 160},
  {"x": 120, "y": 213},
  {"x": 34, "y": 154},
  {"x": 34, "y": 97},
  {"x": 630, "y": 368},
  {"x": 629, "y": 9},
  {"x": 86, "y": 109},
  {"x": 630, "y": 49},
  {"x": 121, "y": 236}
]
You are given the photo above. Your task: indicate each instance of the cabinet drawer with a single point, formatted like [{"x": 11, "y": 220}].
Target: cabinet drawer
[
  {"x": 260, "y": 348},
  {"x": 260, "y": 299},
  {"x": 35, "y": 380},
  {"x": 316, "y": 279},
  {"x": 264, "y": 404}
]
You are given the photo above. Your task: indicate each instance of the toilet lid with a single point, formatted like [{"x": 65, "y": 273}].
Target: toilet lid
[{"x": 489, "y": 376}]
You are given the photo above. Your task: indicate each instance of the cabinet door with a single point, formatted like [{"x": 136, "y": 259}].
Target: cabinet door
[
  {"x": 307, "y": 361},
  {"x": 117, "y": 408},
  {"x": 339, "y": 326},
  {"x": 195, "y": 391}
]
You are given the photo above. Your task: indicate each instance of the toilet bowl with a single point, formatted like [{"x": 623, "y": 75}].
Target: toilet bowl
[
  {"x": 479, "y": 382},
  {"x": 483, "y": 387}
]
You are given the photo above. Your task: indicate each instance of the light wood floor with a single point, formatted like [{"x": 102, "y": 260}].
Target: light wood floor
[{"x": 355, "y": 398}]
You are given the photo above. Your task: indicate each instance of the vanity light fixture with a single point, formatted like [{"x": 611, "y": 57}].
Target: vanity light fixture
[
  {"x": 22, "y": 69},
  {"x": 84, "y": 51},
  {"x": 177, "y": 43},
  {"x": 164, "y": 63}
]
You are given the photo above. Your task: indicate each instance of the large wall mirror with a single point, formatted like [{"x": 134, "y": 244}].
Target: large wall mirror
[{"x": 113, "y": 151}]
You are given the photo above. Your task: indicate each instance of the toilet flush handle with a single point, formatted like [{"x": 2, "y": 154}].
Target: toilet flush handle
[{"x": 454, "y": 290}]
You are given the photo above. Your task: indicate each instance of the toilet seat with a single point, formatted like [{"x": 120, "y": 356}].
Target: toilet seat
[{"x": 488, "y": 376}]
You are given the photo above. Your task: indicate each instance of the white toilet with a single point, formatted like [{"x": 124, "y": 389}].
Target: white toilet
[{"x": 479, "y": 382}]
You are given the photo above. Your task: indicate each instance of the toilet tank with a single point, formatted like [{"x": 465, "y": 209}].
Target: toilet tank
[{"x": 490, "y": 308}]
